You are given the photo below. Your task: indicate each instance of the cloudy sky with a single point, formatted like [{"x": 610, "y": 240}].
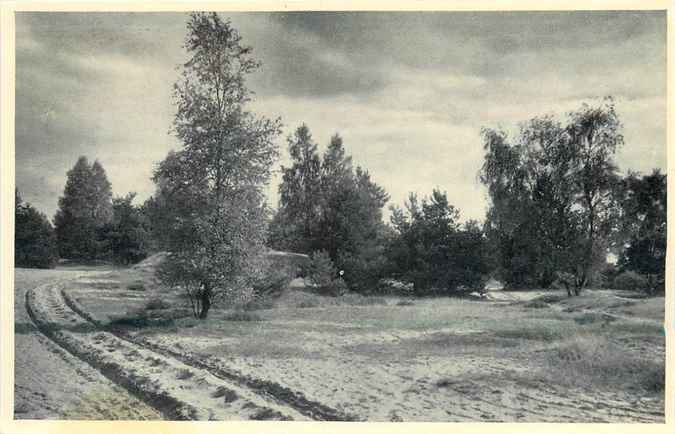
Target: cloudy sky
[{"x": 408, "y": 92}]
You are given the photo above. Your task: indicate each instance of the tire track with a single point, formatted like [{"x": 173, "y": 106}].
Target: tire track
[
  {"x": 271, "y": 390},
  {"x": 177, "y": 390}
]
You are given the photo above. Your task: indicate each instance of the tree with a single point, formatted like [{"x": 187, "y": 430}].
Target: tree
[
  {"x": 643, "y": 226},
  {"x": 84, "y": 210},
  {"x": 327, "y": 204},
  {"x": 34, "y": 239},
  {"x": 300, "y": 195},
  {"x": 211, "y": 190},
  {"x": 127, "y": 234},
  {"x": 552, "y": 196},
  {"x": 432, "y": 250},
  {"x": 593, "y": 138}
]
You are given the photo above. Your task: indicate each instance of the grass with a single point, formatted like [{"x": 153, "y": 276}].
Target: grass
[
  {"x": 597, "y": 360},
  {"x": 185, "y": 374},
  {"x": 242, "y": 315},
  {"x": 228, "y": 395},
  {"x": 596, "y": 345}
]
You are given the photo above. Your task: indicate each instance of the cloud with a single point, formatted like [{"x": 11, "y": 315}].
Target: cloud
[{"x": 408, "y": 92}]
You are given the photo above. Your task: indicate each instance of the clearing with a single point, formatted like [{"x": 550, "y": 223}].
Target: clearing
[{"x": 530, "y": 357}]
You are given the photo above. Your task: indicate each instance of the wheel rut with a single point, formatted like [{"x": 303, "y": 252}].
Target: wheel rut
[{"x": 178, "y": 390}]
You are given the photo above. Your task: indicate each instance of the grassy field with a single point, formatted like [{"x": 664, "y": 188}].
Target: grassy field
[{"x": 597, "y": 357}]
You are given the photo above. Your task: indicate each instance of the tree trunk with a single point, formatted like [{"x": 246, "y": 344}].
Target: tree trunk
[{"x": 205, "y": 297}]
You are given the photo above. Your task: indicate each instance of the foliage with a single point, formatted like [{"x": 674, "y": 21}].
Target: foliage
[
  {"x": 552, "y": 196},
  {"x": 631, "y": 281},
  {"x": 299, "y": 192},
  {"x": 84, "y": 210},
  {"x": 323, "y": 274},
  {"x": 210, "y": 192},
  {"x": 127, "y": 234},
  {"x": 432, "y": 250},
  {"x": 34, "y": 239},
  {"x": 327, "y": 204},
  {"x": 643, "y": 228}
]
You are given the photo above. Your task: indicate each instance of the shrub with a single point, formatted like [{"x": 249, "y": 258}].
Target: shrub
[
  {"x": 308, "y": 304},
  {"x": 185, "y": 374},
  {"x": 323, "y": 274},
  {"x": 259, "y": 303},
  {"x": 631, "y": 281},
  {"x": 136, "y": 286},
  {"x": 157, "y": 304},
  {"x": 363, "y": 271}
]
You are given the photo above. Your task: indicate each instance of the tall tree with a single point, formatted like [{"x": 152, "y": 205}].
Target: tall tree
[
  {"x": 34, "y": 239},
  {"x": 594, "y": 136},
  {"x": 552, "y": 196},
  {"x": 84, "y": 209},
  {"x": 300, "y": 194},
  {"x": 212, "y": 188},
  {"x": 642, "y": 235},
  {"x": 327, "y": 204}
]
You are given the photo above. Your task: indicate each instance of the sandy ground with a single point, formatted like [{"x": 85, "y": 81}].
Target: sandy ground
[
  {"x": 50, "y": 383},
  {"x": 431, "y": 360}
]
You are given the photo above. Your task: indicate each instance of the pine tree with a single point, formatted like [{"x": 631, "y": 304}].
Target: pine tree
[
  {"x": 84, "y": 209},
  {"x": 34, "y": 240}
]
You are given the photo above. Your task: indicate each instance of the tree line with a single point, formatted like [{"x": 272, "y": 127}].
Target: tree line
[
  {"x": 90, "y": 224},
  {"x": 558, "y": 204}
]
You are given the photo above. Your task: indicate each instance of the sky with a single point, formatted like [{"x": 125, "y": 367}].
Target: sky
[{"x": 409, "y": 92}]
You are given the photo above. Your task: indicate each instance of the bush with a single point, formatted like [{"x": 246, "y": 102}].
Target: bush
[
  {"x": 323, "y": 275},
  {"x": 362, "y": 272},
  {"x": 631, "y": 281},
  {"x": 308, "y": 304},
  {"x": 136, "y": 286},
  {"x": 272, "y": 280},
  {"x": 157, "y": 304}
]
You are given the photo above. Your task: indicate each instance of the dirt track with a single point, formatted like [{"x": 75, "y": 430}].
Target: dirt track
[{"x": 50, "y": 383}]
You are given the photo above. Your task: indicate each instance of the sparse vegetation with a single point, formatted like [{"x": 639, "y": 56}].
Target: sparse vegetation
[{"x": 240, "y": 315}]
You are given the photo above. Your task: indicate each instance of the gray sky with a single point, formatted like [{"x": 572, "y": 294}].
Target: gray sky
[{"x": 408, "y": 92}]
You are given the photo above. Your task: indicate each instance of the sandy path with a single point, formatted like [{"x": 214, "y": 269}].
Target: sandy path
[
  {"x": 180, "y": 391},
  {"x": 50, "y": 383}
]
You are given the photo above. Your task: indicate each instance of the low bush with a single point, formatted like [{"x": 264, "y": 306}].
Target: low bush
[
  {"x": 259, "y": 303},
  {"x": 157, "y": 304},
  {"x": 405, "y": 303},
  {"x": 136, "y": 286},
  {"x": 631, "y": 281},
  {"x": 228, "y": 394},
  {"x": 273, "y": 280},
  {"x": 324, "y": 276},
  {"x": 184, "y": 374},
  {"x": 309, "y": 303}
]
